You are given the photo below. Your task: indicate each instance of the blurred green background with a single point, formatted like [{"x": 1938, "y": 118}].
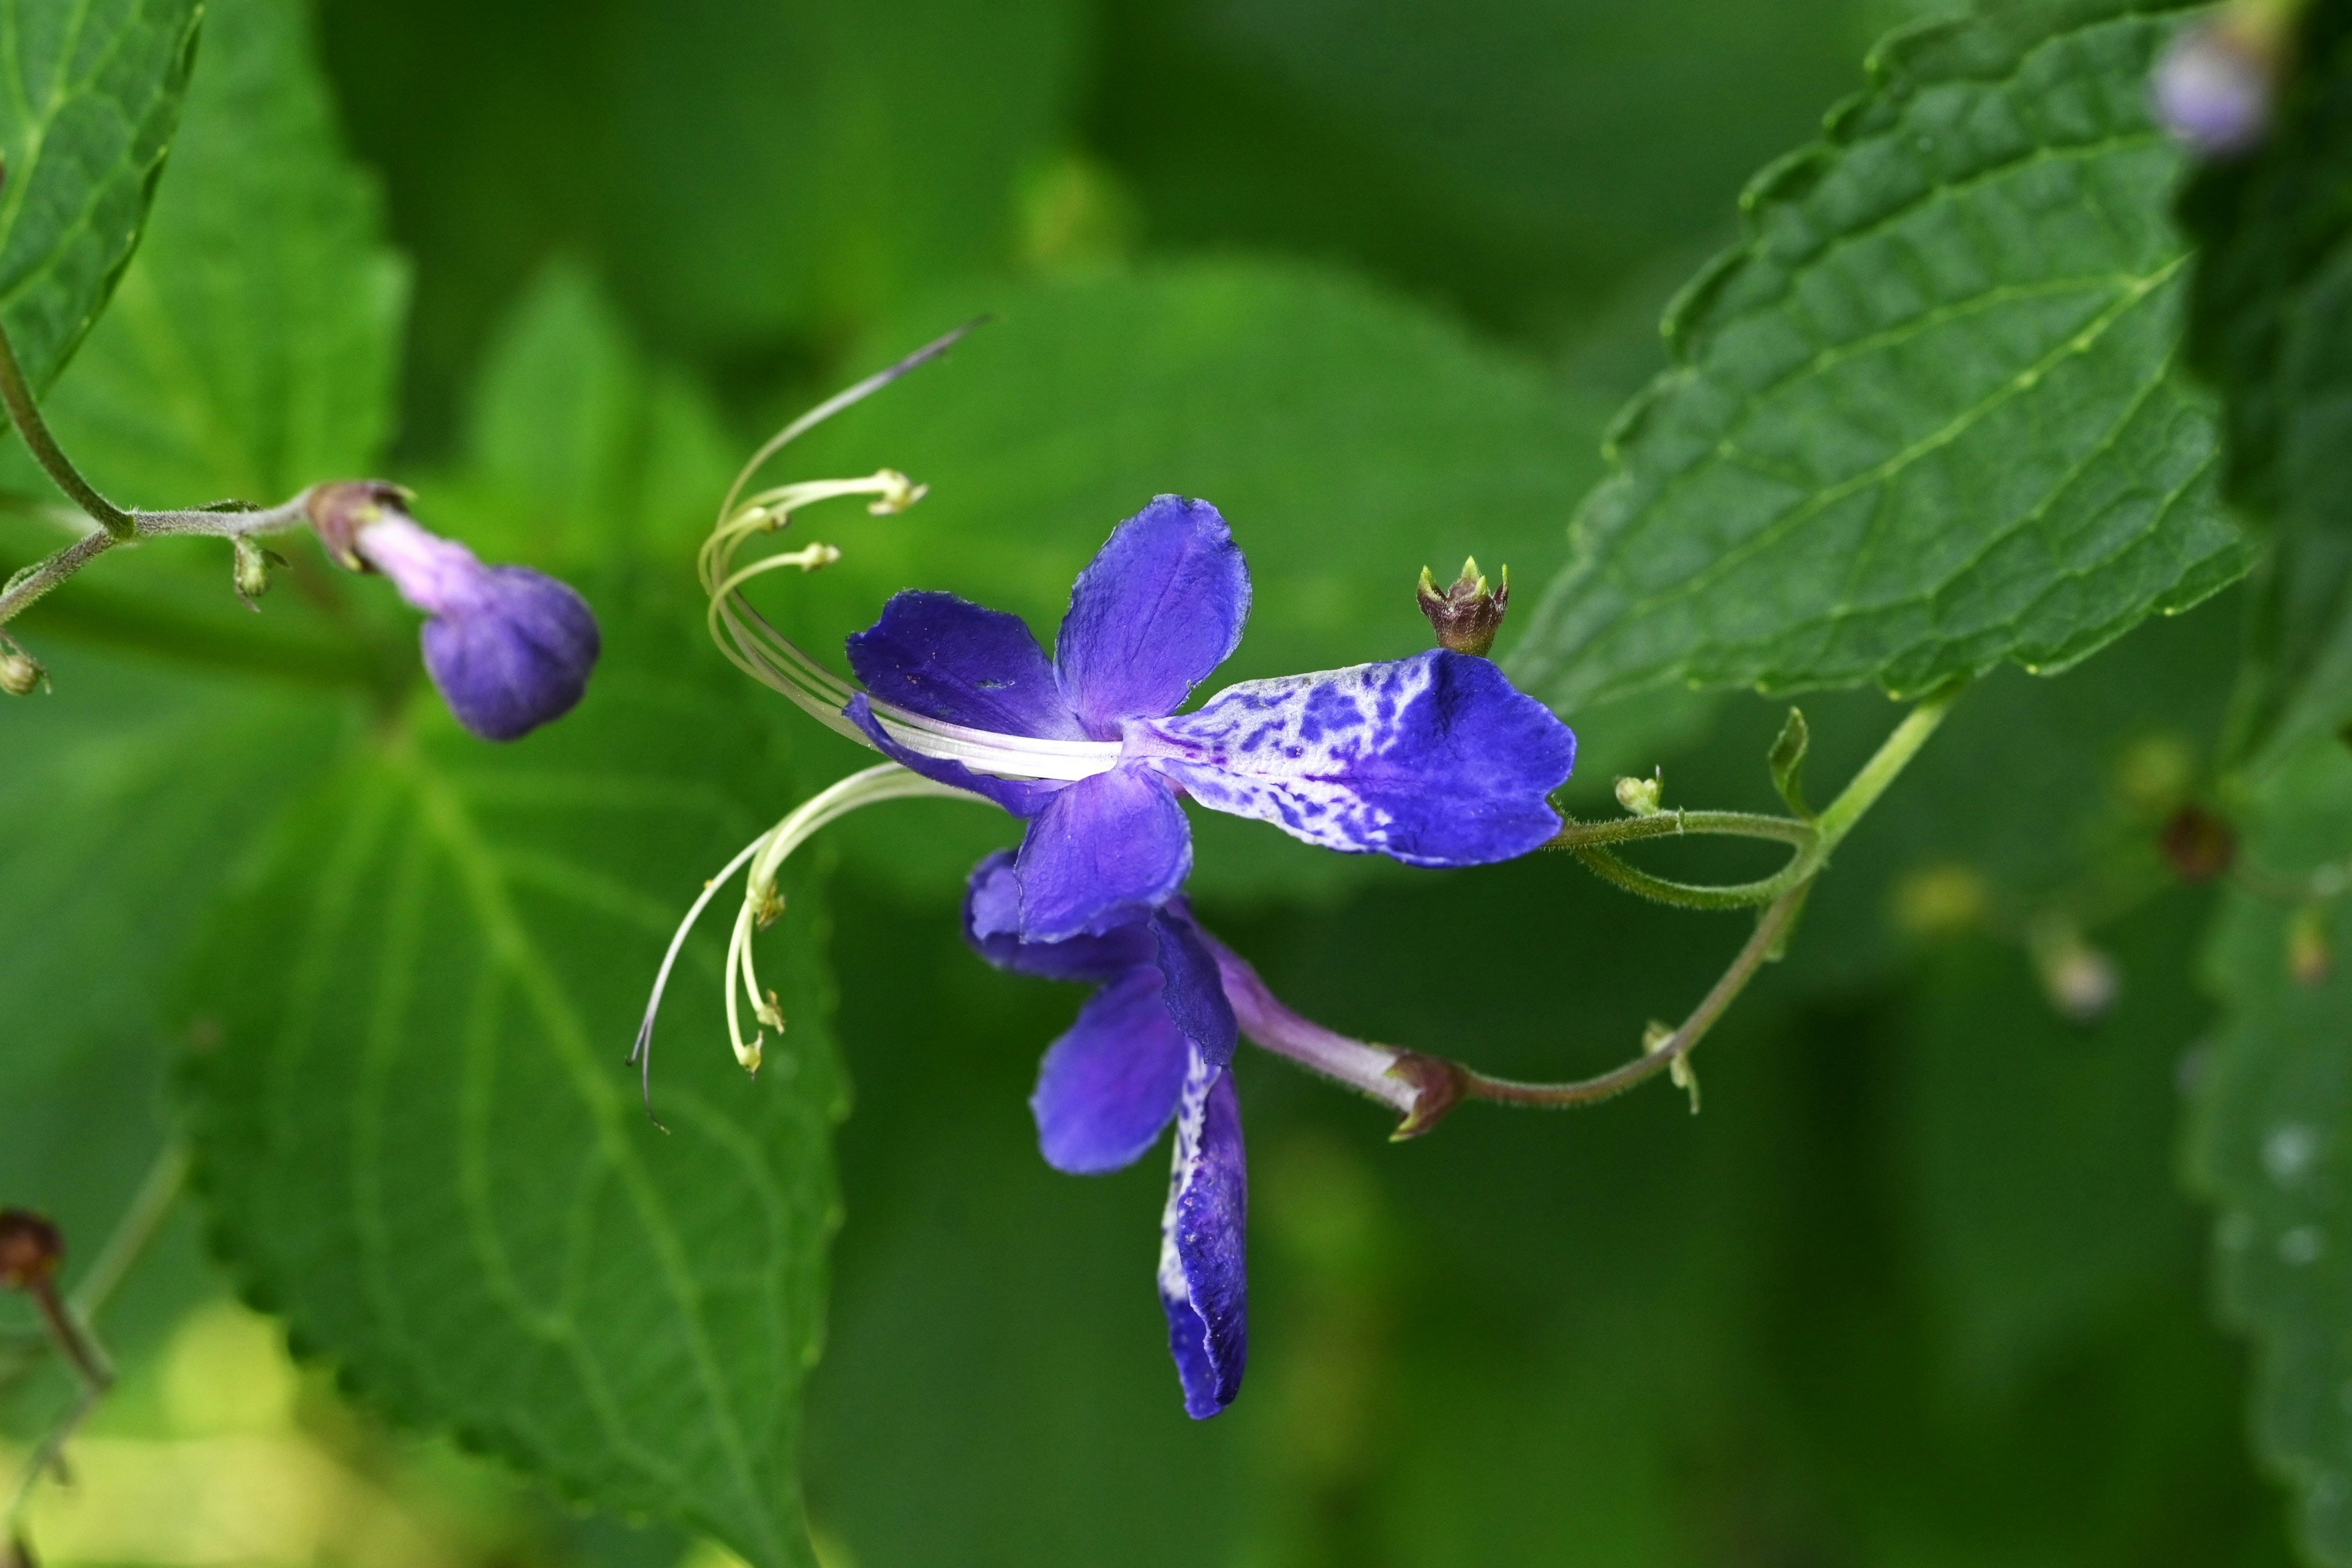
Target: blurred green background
[{"x": 1917, "y": 1288}]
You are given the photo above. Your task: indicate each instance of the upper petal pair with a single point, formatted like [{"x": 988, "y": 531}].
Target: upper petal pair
[{"x": 1162, "y": 605}]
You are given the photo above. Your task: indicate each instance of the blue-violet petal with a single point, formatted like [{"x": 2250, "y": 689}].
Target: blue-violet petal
[
  {"x": 992, "y": 923},
  {"x": 948, "y": 658},
  {"x": 1203, "y": 1276},
  {"x": 1105, "y": 851},
  {"x": 1108, "y": 1088},
  {"x": 1435, "y": 760},
  {"x": 1156, "y": 610}
]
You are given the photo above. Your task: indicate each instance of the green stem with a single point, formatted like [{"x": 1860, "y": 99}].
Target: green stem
[
  {"x": 1674, "y": 823},
  {"x": 1784, "y": 896},
  {"x": 27, "y": 414}
]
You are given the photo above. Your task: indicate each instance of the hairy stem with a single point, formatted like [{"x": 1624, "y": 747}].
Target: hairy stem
[
  {"x": 35, "y": 581},
  {"x": 27, "y": 414},
  {"x": 1784, "y": 896},
  {"x": 1726, "y": 988}
]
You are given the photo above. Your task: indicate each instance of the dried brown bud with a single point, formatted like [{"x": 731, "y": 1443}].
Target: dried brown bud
[
  {"x": 1466, "y": 616},
  {"x": 30, "y": 1249},
  {"x": 338, "y": 512},
  {"x": 1440, "y": 1084},
  {"x": 2197, "y": 844}
]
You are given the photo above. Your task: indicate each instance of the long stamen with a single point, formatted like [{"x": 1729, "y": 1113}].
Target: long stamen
[
  {"x": 766, "y": 856},
  {"x": 642, "y": 1053},
  {"x": 754, "y": 645}
]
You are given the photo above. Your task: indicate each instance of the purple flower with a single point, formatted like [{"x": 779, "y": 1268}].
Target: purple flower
[
  {"x": 510, "y": 649},
  {"x": 1433, "y": 759},
  {"x": 1151, "y": 1045},
  {"x": 2212, "y": 90}
]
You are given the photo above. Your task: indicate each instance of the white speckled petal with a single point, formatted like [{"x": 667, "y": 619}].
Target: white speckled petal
[{"x": 1435, "y": 760}]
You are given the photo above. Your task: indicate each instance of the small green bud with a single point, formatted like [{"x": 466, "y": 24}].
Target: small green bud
[
  {"x": 20, "y": 672},
  {"x": 1466, "y": 616},
  {"x": 250, "y": 572},
  {"x": 1640, "y": 797},
  {"x": 1943, "y": 899}
]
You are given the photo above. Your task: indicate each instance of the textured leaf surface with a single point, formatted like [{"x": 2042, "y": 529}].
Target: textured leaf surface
[
  {"x": 2269, "y": 324},
  {"x": 252, "y": 347},
  {"x": 1348, "y": 437},
  {"x": 2271, "y": 1146},
  {"x": 1926, "y": 418},
  {"x": 419, "y": 1144},
  {"x": 89, "y": 92}
]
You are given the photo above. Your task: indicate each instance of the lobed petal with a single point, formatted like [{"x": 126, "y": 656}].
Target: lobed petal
[
  {"x": 992, "y": 923},
  {"x": 1435, "y": 760},
  {"x": 1109, "y": 1086},
  {"x": 1023, "y": 798},
  {"x": 1152, "y": 615},
  {"x": 1195, "y": 985},
  {"x": 1203, "y": 1276},
  {"x": 948, "y": 658},
  {"x": 1105, "y": 851}
]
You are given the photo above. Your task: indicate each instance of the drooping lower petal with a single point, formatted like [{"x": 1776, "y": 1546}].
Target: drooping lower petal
[
  {"x": 992, "y": 923},
  {"x": 1105, "y": 852},
  {"x": 1435, "y": 760},
  {"x": 1194, "y": 990},
  {"x": 1108, "y": 1088},
  {"x": 1203, "y": 1276},
  {"x": 1157, "y": 609},
  {"x": 1022, "y": 797},
  {"x": 948, "y": 658}
]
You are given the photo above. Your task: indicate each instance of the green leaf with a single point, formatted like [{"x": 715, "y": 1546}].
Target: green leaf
[
  {"x": 253, "y": 346},
  {"x": 579, "y": 449},
  {"x": 2270, "y": 310},
  {"x": 93, "y": 89},
  {"x": 2039, "y": 1152},
  {"x": 1926, "y": 419},
  {"x": 418, "y": 1141},
  {"x": 1348, "y": 437},
  {"x": 132, "y": 796},
  {"x": 2270, "y": 1142}
]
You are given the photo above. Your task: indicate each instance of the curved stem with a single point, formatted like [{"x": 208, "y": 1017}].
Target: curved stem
[
  {"x": 1674, "y": 823},
  {"x": 1784, "y": 896},
  {"x": 27, "y": 414},
  {"x": 1674, "y": 1046},
  {"x": 1698, "y": 894}
]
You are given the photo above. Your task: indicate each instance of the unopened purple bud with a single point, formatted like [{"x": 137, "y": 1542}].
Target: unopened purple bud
[
  {"x": 2213, "y": 90},
  {"x": 510, "y": 649}
]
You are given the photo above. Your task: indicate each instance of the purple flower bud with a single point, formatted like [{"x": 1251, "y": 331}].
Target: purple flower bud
[
  {"x": 510, "y": 649},
  {"x": 2213, "y": 92}
]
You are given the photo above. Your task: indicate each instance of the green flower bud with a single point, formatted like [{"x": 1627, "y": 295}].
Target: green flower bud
[
  {"x": 1640, "y": 797},
  {"x": 1466, "y": 616},
  {"x": 20, "y": 670},
  {"x": 251, "y": 571}
]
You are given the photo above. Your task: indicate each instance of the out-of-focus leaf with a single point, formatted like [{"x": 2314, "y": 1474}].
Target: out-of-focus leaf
[
  {"x": 2270, "y": 316},
  {"x": 2041, "y": 1152},
  {"x": 1531, "y": 161},
  {"x": 131, "y": 796},
  {"x": 416, "y": 1138},
  {"x": 2272, "y": 1136},
  {"x": 252, "y": 347},
  {"x": 1926, "y": 419},
  {"x": 753, "y": 178},
  {"x": 93, "y": 89},
  {"x": 579, "y": 450},
  {"x": 1349, "y": 439}
]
